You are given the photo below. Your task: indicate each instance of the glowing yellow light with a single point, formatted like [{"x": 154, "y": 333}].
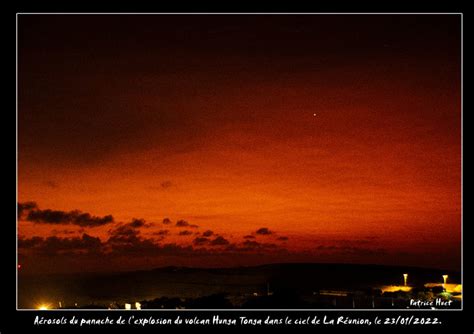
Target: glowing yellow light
[
  {"x": 396, "y": 288},
  {"x": 449, "y": 287},
  {"x": 138, "y": 306},
  {"x": 405, "y": 276},
  {"x": 43, "y": 307},
  {"x": 445, "y": 278}
]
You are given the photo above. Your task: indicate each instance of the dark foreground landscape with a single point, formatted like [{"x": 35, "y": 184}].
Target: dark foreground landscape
[{"x": 274, "y": 286}]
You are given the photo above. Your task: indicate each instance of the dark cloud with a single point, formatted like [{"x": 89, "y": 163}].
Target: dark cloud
[
  {"x": 136, "y": 223},
  {"x": 54, "y": 245},
  {"x": 127, "y": 243},
  {"x": 161, "y": 232},
  {"x": 249, "y": 237},
  {"x": 185, "y": 232},
  {"x": 182, "y": 223},
  {"x": 127, "y": 233},
  {"x": 207, "y": 233},
  {"x": 94, "y": 253},
  {"x": 75, "y": 217},
  {"x": 201, "y": 241},
  {"x": 219, "y": 241},
  {"x": 26, "y": 206},
  {"x": 123, "y": 234},
  {"x": 282, "y": 238},
  {"x": 166, "y": 221},
  {"x": 30, "y": 242},
  {"x": 126, "y": 240},
  {"x": 136, "y": 246},
  {"x": 252, "y": 244},
  {"x": 263, "y": 231}
]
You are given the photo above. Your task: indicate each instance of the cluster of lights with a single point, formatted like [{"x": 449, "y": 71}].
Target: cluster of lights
[
  {"x": 405, "y": 277},
  {"x": 44, "y": 307},
  {"x": 138, "y": 306}
]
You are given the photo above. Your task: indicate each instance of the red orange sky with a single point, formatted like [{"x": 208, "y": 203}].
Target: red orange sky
[{"x": 339, "y": 134}]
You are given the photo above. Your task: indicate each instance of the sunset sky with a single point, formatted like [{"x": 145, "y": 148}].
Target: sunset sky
[{"x": 226, "y": 140}]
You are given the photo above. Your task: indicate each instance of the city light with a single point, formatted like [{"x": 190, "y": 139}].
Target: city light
[
  {"x": 405, "y": 276},
  {"x": 395, "y": 288},
  {"x": 128, "y": 306},
  {"x": 43, "y": 307},
  {"x": 138, "y": 306},
  {"x": 445, "y": 278}
]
